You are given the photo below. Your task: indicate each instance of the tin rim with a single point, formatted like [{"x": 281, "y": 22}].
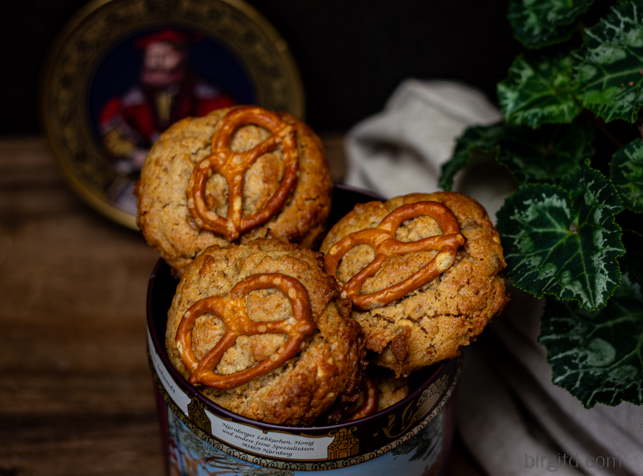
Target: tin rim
[{"x": 301, "y": 465}]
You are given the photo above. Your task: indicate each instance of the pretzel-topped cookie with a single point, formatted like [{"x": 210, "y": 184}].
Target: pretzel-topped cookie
[
  {"x": 233, "y": 166},
  {"x": 382, "y": 239},
  {"x": 231, "y": 310}
]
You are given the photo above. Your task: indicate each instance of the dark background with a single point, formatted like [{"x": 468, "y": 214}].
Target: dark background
[{"x": 351, "y": 54}]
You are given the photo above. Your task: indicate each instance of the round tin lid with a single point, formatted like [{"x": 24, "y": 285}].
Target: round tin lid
[{"x": 123, "y": 70}]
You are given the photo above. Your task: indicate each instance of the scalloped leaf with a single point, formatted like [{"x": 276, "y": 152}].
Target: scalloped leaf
[
  {"x": 547, "y": 154},
  {"x": 474, "y": 141},
  {"x": 542, "y": 155},
  {"x": 538, "y": 91},
  {"x": 563, "y": 241},
  {"x": 626, "y": 172},
  {"x": 538, "y": 23},
  {"x": 597, "y": 355},
  {"x": 609, "y": 67}
]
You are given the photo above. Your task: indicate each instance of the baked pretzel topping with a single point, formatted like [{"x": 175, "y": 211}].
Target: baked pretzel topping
[
  {"x": 233, "y": 166},
  {"x": 382, "y": 239},
  {"x": 231, "y": 310},
  {"x": 371, "y": 400}
]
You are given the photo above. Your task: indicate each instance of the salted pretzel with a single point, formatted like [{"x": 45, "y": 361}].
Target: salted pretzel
[
  {"x": 233, "y": 166},
  {"x": 371, "y": 400},
  {"x": 382, "y": 239},
  {"x": 231, "y": 310}
]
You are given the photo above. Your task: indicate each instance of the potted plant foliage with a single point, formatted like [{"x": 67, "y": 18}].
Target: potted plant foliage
[{"x": 571, "y": 137}]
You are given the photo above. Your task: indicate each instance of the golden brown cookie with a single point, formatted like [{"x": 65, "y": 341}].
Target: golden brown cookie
[
  {"x": 390, "y": 390},
  {"x": 261, "y": 283},
  {"x": 435, "y": 281},
  {"x": 233, "y": 176}
]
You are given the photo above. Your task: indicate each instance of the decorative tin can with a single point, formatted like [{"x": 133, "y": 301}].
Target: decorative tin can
[{"x": 201, "y": 438}]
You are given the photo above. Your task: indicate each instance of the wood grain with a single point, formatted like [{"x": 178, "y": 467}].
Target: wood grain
[{"x": 76, "y": 394}]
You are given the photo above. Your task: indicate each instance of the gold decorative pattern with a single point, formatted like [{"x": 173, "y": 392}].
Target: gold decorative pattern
[
  {"x": 104, "y": 23},
  {"x": 344, "y": 445},
  {"x": 431, "y": 396},
  {"x": 197, "y": 414}
]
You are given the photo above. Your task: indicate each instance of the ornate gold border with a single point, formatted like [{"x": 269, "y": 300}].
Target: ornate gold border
[
  {"x": 316, "y": 465},
  {"x": 99, "y": 26}
]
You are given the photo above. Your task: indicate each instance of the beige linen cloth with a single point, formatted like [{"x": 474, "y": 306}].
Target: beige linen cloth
[{"x": 511, "y": 417}]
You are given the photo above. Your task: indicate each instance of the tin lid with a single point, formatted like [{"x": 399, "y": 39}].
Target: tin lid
[{"x": 122, "y": 71}]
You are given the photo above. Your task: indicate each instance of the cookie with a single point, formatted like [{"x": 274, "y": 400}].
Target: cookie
[
  {"x": 434, "y": 283},
  {"x": 238, "y": 307},
  {"x": 234, "y": 175},
  {"x": 390, "y": 390}
]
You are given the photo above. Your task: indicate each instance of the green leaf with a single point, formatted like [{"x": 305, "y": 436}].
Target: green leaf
[
  {"x": 563, "y": 241},
  {"x": 597, "y": 355},
  {"x": 539, "y": 23},
  {"x": 474, "y": 141},
  {"x": 542, "y": 155},
  {"x": 538, "y": 91},
  {"x": 609, "y": 67},
  {"x": 626, "y": 170},
  {"x": 547, "y": 154}
]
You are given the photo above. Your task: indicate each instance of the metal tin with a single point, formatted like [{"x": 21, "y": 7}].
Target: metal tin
[
  {"x": 201, "y": 438},
  {"x": 244, "y": 43}
]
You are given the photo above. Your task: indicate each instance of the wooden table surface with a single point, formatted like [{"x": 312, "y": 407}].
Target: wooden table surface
[{"x": 76, "y": 395}]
